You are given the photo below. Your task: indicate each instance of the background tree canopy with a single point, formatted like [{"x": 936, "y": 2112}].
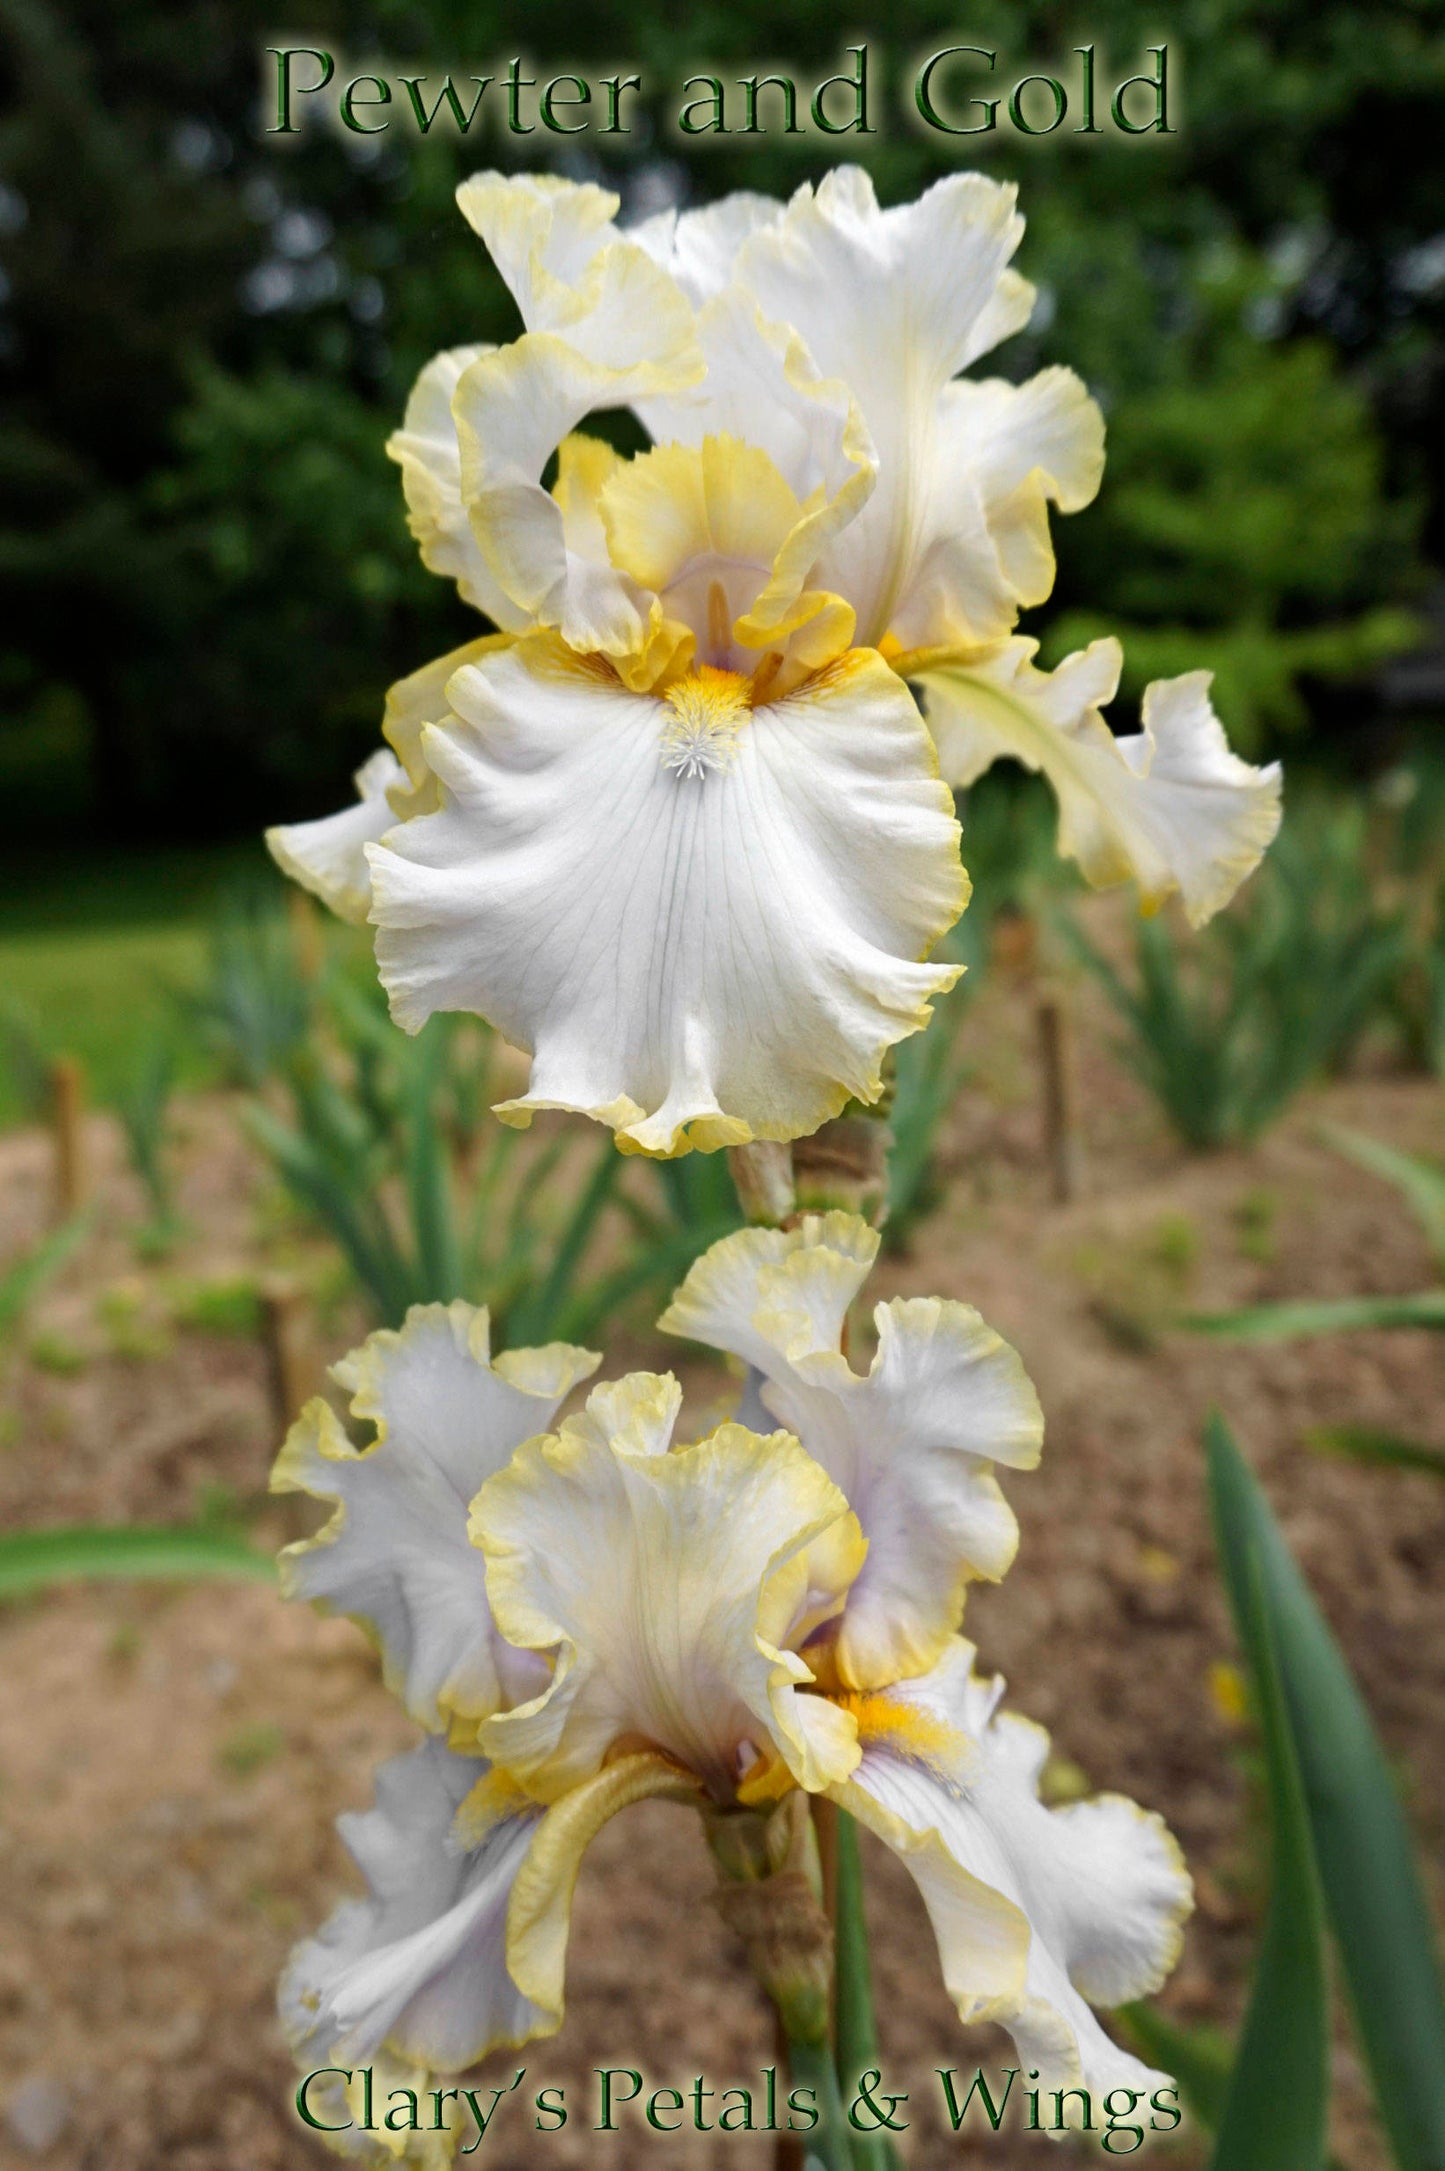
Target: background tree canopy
[{"x": 206, "y": 335}]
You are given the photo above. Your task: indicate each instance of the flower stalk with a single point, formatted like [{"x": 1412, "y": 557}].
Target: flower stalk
[
  {"x": 770, "y": 1892},
  {"x": 843, "y": 1165},
  {"x": 855, "y": 2028},
  {"x": 763, "y": 1175}
]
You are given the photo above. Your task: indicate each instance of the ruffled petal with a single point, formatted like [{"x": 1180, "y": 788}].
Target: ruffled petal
[
  {"x": 1170, "y": 807},
  {"x": 699, "y": 248},
  {"x": 605, "y": 327},
  {"x": 770, "y": 1294},
  {"x": 414, "y": 702},
  {"x": 763, "y": 388},
  {"x": 328, "y": 857},
  {"x": 420, "y": 1964},
  {"x": 895, "y": 303},
  {"x": 912, "y": 1445},
  {"x": 673, "y": 1590},
  {"x": 545, "y": 235},
  {"x": 1035, "y": 1910},
  {"x": 426, "y": 450},
  {"x": 395, "y": 1555},
  {"x": 1004, "y": 453},
  {"x": 701, "y": 917}
]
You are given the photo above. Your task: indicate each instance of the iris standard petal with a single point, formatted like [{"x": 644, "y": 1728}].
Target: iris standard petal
[
  {"x": 605, "y": 326},
  {"x": 426, "y": 450},
  {"x": 1003, "y": 454},
  {"x": 395, "y": 1555},
  {"x": 673, "y": 1591},
  {"x": 911, "y": 1443},
  {"x": 894, "y": 303},
  {"x": 699, "y": 248}
]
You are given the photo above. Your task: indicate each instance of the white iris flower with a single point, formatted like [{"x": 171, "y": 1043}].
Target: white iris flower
[
  {"x": 679, "y": 829},
  {"x": 588, "y": 1616}
]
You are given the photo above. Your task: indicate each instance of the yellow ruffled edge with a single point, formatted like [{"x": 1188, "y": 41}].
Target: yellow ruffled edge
[
  {"x": 549, "y": 357},
  {"x": 830, "y": 1523},
  {"x": 1008, "y": 2008},
  {"x": 914, "y": 1652},
  {"x": 1175, "y": 1918},
  {"x": 702, "y": 1293},
  {"x": 428, "y": 506},
  {"x": 1003, "y": 2002},
  {"x": 351, "y": 905},
  {"x": 420, "y": 699}
]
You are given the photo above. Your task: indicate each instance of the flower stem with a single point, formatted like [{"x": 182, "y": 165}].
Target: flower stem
[
  {"x": 854, "y": 2023},
  {"x": 810, "y": 2065}
]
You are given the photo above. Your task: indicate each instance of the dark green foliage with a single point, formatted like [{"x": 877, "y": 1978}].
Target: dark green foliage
[
  {"x": 254, "y": 1010},
  {"x": 1275, "y": 2109},
  {"x": 1226, "y": 1028},
  {"x": 1358, "y": 1837},
  {"x": 387, "y": 1143},
  {"x": 1341, "y": 1856},
  {"x": 1008, "y": 848},
  {"x": 1242, "y": 526},
  {"x": 143, "y": 1107}
]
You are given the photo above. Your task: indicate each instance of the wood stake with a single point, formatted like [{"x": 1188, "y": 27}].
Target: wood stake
[
  {"x": 67, "y": 1115},
  {"x": 1014, "y": 948},
  {"x": 1061, "y": 1130},
  {"x": 306, "y": 934},
  {"x": 288, "y": 1357}
]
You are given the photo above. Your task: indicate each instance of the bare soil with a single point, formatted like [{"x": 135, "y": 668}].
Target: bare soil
[{"x": 172, "y": 1758}]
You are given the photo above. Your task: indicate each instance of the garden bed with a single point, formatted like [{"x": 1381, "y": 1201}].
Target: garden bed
[{"x": 171, "y": 1758}]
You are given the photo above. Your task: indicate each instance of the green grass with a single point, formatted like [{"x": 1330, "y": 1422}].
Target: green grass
[{"x": 90, "y": 944}]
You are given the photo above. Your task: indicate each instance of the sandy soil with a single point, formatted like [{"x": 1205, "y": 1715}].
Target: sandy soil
[{"x": 171, "y": 1759}]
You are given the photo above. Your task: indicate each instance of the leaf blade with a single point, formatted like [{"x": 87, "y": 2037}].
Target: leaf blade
[
  {"x": 34, "y": 1560},
  {"x": 1372, "y": 1888}
]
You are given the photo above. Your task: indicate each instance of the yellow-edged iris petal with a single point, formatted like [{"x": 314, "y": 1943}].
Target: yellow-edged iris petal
[
  {"x": 674, "y": 1591},
  {"x": 1169, "y": 807},
  {"x": 328, "y": 857},
  {"x": 1036, "y": 1911},
  {"x": 912, "y": 1443},
  {"x": 696, "y": 953},
  {"x": 418, "y": 1966},
  {"x": 395, "y": 1555}
]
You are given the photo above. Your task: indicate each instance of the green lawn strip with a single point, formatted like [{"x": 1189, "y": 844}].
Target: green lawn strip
[{"x": 91, "y": 945}]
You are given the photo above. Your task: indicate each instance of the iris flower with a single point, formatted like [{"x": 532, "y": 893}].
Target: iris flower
[
  {"x": 589, "y": 1615},
  {"x": 677, "y": 827}
]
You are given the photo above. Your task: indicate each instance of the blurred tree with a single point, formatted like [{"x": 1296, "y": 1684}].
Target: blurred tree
[
  {"x": 1244, "y": 525},
  {"x": 206, "y": 335}
]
